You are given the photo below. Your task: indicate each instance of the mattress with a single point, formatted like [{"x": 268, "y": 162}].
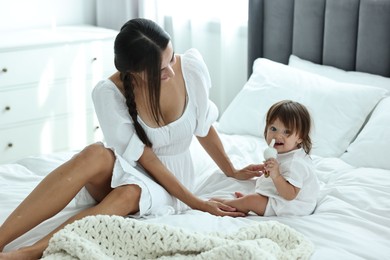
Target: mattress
[{"x": 351, "y": 220}]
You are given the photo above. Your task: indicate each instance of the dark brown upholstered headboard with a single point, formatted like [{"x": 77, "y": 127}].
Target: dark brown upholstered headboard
[{"x": 352, "y": 35}]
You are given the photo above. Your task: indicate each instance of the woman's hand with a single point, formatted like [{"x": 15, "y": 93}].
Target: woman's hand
[
  {"x": 250, "y": 171},
  {"x": 217, "y": 208}
]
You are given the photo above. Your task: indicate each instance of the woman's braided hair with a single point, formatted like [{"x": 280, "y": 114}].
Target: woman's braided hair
[{"x": 138, "y": 48}]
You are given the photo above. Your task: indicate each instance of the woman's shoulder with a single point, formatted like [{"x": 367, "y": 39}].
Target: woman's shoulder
[
  {"x": 195, "y": 72},
  {"x": 105, "y": 88},
  {"x": 192, "y": 53},
  {"x": 104, "y": 84},
  {"x": 192, "y": 57},
  {"x": 192, "y": 63}
]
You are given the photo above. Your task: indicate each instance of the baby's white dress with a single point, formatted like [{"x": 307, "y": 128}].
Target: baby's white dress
[
  {"x": 170, "y": 143},
  {"x": 298, "y": 169}
]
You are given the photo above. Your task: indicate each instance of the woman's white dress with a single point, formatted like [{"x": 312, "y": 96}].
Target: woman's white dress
[{"x": 170, "y": 143}]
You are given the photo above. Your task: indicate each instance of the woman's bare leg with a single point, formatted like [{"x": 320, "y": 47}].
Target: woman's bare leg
[
  {"x": 121, "y": 201},
  {"x": 92, "y": 168}
]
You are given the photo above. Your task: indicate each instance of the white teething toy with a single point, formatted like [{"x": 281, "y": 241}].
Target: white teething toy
[{"x": 270, "y": 152}]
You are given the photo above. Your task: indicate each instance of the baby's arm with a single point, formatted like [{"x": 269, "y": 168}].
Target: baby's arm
[
  {"x": 284, "y": 188},
  {"x": 245, "y": 203}
]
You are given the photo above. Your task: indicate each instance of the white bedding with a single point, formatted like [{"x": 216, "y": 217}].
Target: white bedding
[{"x": 351, "y": 221}]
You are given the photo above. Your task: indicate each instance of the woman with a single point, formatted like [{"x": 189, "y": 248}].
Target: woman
[{"x": 148, "y": 111}]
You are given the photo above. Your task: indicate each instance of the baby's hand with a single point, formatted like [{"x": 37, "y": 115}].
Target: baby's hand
[
  {"x": 271, "y": 167},
  {"x": 239, "y": 194}
]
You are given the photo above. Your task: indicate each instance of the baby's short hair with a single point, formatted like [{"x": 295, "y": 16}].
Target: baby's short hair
[{"x": 295, "y": 117}]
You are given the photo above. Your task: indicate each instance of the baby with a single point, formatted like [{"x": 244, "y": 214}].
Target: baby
[{"x": 289, "y": 185}]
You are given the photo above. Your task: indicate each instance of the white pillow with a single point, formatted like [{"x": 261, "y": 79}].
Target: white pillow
[
  {"x": 339, "y": 74},
  {"x": 371, "y": 147},
  {"x": 338, "y": 109}
]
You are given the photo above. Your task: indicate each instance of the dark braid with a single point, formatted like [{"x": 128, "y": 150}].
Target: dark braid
[
  {"x": 132, "y": 107},
  {"x": 138, "y": 48}
]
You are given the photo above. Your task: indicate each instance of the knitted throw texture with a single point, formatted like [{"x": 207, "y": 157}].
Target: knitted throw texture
[{"x": 112, "y": 237}]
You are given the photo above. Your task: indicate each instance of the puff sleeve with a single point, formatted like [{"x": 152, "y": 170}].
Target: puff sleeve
[
  {"x": 198, "y": 83},
  {"x": 115, "y": 122}
]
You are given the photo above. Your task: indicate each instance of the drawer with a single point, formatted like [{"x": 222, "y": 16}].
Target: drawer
[
  {"x": 67, "y": 96},
  {"x": 102, "y": 55},
  {"x": 51, "y": 63},
  {"x": 68, "y": 133},
  {"x": 80, "y": 130}
]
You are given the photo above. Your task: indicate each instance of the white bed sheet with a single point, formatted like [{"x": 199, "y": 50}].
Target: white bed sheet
[{"x": 351, "y": 221}]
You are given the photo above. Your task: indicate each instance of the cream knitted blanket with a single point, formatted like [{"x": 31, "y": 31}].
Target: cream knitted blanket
[{"x": 110, "y": 237}]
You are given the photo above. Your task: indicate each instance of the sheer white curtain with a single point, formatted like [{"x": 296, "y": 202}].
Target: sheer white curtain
[{"x": 217, "y": 28}]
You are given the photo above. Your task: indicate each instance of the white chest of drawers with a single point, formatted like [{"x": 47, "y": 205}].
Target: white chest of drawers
[{"x": 46, "y": 79}]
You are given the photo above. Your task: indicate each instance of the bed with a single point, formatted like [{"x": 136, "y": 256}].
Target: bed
[{"x": 331, "y": 55}]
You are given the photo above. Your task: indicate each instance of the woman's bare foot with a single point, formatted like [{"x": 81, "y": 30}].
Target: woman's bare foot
[{"x": 25, "y": 253}]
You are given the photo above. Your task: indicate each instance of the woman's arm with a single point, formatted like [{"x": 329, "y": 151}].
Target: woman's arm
[
  {"x": 165, "y": 178},
  {"x": 214, "y": 147}
]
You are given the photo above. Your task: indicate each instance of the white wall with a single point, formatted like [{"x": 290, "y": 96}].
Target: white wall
[
  {"x": 228, "y": 71},
  {"x": 226, "y": 59},
  {"x": 23, "y": 14},
  {"x": 227, "y": 81}
]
